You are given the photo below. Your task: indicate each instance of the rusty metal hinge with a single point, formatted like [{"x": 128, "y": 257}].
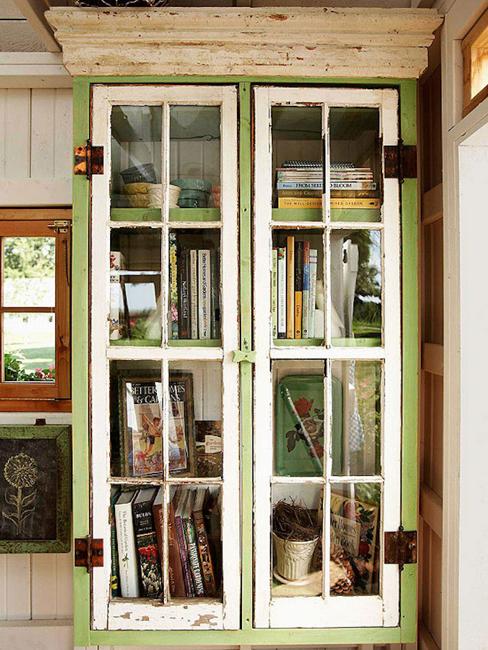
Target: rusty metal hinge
[
  {"x": 60, "y": 226},
  {"x": 401, "y": 547},
  {"x": 88, "y": 160},
  {"x": 88, "y": 552},
  {"x": 400, "y": 161}
]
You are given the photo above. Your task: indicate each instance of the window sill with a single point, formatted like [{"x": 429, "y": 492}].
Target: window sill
[{"x": 35, "y": 405}]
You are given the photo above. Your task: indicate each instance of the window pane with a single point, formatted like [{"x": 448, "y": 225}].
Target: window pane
[
  {"x": 194, "y": 157},
  {"x": 356, "y": 417},
  {"x": 28, "y": 347},
  {"x": 356, "y": 278},
  {"x": 298, "y": 161},
  {"x": 195, "y": 541},
  {"x": 194, "y": 284},
  {"x": 297, "y": 286},
  {"x": 136, "y": 419},
  {"x": 355, "y": 164},
  {"x": 355, "y": 521},
  {"x": 136, "y": 157},
  {"x": 195, "y": 439},
  {"x": 297, "y": 540},
  {"x": 299, "y": 418},
  {"x": 28, "y": 271},
  {"x": 135, "y": 286}
]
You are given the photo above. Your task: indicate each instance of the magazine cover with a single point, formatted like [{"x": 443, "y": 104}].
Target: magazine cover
[
  {"x": 142, "y": 439},
  {"x": 180, "y": 438}
]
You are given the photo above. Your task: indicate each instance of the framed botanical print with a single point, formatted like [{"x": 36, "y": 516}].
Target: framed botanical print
[
  {"x": 141, "y": 424},
  {"x": 35, "y": 489}
]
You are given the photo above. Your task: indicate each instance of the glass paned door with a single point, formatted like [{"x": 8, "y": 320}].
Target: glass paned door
[
  {"x": 164, "y": 389},
  {"x": 327, "y": 427}
]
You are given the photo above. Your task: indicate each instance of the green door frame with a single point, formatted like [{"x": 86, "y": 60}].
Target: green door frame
[{"x": 406, "y": 631}]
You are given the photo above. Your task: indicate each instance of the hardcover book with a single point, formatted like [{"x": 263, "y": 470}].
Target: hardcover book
[
  {"x": 173, "y": 285},
  {"x": 281, "y": 292},
  {"x": 274, "y": 293},
  {"x": 184, "y": 329},
  {"x": 114, "y": 556},
  {"x": 182, "y": 545},
  {"x": 204, "y": 294},
  {"x": 146, "y": 542},
  {"x": 298, "y": 288},
  {"x": 126, "y": 546},
  {"x": 290, "y": 286},
  {"x": 206, "y": 562},
  {"x": 191, "y": 544},
  {"x": 194, "y": 306}
]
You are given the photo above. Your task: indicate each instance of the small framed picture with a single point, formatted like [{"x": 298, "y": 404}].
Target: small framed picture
[
  {"x": 35, "y": 489},
  {"x": 141, "y": 422}
]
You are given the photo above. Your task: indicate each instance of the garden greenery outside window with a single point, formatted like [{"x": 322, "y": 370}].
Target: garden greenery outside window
[{"x": 34, "y": 309}]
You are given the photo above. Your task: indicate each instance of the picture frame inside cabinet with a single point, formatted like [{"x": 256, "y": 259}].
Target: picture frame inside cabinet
[
  {"x": 141, "y": 429},
  {"x": 35, "y": 489}
]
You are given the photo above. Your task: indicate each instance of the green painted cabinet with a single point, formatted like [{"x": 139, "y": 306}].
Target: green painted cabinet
[{"x": 245, "y": 386}]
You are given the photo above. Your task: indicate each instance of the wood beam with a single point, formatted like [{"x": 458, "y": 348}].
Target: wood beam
[{"x": 34, "y": 11}]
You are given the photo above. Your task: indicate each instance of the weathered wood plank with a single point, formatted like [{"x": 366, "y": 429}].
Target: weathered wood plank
[{"x": 310, "y": 41}]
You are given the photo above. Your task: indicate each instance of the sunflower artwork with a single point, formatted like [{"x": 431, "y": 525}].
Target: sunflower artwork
[{"x": 28, "y": 487}]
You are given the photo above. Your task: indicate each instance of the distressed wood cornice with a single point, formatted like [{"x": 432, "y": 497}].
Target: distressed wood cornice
[{"x": 307, "y": 42}]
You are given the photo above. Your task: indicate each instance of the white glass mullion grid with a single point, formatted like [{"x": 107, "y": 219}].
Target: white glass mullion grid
[
  {"x": 367, "y": 610},
  {"x": 174, "y": 617}
]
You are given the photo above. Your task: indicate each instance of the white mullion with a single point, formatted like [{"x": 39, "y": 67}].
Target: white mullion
[
  {"x": 298, "y": 225},
  {"x": 263, "y": 394},
  {"x": 165, "y": 429},
  {"x": 327, "y": 474},
  {"x": 297, "y": 480},
  {"x": 230, "y": 371},
  {"x": 99, "y": 375},
  {"x": 174, "y": 225},
  {"x": 392, "y": 452},
  {"x": 176, "y": 353},
  {"x": 320, "y": 352},
  {"x": 165, "y": 153},
  {"x": 135, "y": 224}
]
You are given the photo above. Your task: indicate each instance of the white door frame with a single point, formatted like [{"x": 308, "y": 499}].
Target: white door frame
[{"x": 463, "y": 598}]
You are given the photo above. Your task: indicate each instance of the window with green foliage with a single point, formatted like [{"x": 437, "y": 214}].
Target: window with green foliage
[{"x": 34, "y": 309}]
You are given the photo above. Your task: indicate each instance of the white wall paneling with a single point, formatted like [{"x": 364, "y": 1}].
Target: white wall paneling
[{"x": 35, "y": 146}]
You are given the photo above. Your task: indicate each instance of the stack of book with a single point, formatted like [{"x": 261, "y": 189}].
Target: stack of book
[
  {"x": 194, "y": 552},
  {"x": 299, "y": 184},
  {"x": 294, "y": 291},
  {"x": 194, "y": 291}
]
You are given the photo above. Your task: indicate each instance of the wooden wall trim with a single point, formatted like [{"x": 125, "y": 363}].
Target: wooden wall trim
[
  {"x": 431, "y": 509},
  {"x": 432, "y": 205},
  {"x": 433, "y": 358}
]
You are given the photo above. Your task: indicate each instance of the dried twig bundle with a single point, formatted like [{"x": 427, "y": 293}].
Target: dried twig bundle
[{"x": 294, "y": 522}]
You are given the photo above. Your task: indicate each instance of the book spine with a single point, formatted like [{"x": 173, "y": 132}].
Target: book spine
[
  {"x": 126, "y": 546},
  {"x": 191, "y": 542},
  {"x": 173, "y": 285},
  {"x": 185, "y": 564},
  {"x": 114, "y": 557},
  {"x": 149, "y": 565},
  {"x": 299, "y": 185},
  {"x": 204, "y": 292},
  {"x": 175, "y": 571},
  {"x": 312, "y": 294},
  {"x": 352, "y": 185},
  {"x": 298, "y": 288},
  {"x": 306, "y": 290},
  {"x": 290, "y": 286},
  {"x": 299, "y": 203},
  {"x": 206, "y": 562},
  {"x": 274, "y": 293},
  {"x": 294, "y": 194},
  {"x": 351, "y": 204},
  {"x": 215, "y": 295},
  {"x": 281, "y": 293},
  {"x": 184, "y": 295},
  {"x": 194, "y": 293},
  {"x": 143, "y": 519}
]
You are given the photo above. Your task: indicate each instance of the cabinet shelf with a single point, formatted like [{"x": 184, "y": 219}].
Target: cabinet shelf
[
  {"x": 194, "y": 343},
  {"x": 175, "y": 214},
  {"x": 297, "y": 214}
]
